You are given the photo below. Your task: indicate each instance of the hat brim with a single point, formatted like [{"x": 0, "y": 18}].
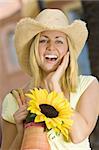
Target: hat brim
[{"x": 27, "y": 28}]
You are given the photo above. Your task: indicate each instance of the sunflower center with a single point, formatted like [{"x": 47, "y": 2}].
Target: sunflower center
[{"x": 48, "y": 110}]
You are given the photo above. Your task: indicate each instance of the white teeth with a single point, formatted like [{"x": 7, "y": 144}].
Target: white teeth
[{"x": 50, "y": 56}]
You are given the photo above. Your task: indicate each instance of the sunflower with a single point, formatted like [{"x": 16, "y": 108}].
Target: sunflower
[{"x": 51, "y": 108}]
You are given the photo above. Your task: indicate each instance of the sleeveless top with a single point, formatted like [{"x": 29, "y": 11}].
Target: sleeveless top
[{"x": 57, "y": 142}]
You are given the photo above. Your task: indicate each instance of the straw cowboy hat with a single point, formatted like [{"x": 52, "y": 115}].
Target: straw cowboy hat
[{"x": 48, "y": 19}]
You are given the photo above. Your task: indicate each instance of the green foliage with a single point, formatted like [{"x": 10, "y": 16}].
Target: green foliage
[{"x": 30, "y": 117}]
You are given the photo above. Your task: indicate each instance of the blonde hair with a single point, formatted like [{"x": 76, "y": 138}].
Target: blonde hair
[
  {"x": 70, "y": 78},
  {"x": 35, "y": 71}
]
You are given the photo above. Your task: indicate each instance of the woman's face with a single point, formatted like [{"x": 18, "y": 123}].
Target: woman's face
[{"x": 52, "y": 48}]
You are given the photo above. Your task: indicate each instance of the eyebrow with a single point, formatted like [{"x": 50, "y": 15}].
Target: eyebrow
[
  {"x": 55, "y": 37},
  {"x": 44, "y": 36}
]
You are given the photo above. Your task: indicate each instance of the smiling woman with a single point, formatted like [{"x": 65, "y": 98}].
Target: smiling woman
[
  {"x": 47, "y": 48},
  {"x": 52, "y": 48}
]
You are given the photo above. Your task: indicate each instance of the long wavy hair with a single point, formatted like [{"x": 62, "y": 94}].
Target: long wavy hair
[{"x": 69, "y": 80}]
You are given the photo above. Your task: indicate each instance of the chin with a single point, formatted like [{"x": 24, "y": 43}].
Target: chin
[{"x": 49, "y": 70}]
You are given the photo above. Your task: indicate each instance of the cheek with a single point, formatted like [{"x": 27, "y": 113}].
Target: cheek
[
  {"x": 40, "y": 51},
  {"x": 63, "y": 51}
]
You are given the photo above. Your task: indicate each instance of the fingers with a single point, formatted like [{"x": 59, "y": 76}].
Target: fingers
[
  {"x": 20, "y": 114},
  {"x": 63, "y": 66},
  {"x": 22, "y": 96},
  {"x": 19, "y": 96},
  {"x": 22, "y": 109},
  {"x": 66, "y": 60}
]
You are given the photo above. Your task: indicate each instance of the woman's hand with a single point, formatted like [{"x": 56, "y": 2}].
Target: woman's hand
[
  {"x": 52, "y": 80},
  {"x": 20, "y": 116},
  {"x": 22, "y": 112}
]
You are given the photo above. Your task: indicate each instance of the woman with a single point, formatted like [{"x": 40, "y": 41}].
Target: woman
[{"x": 47, "y": 49}]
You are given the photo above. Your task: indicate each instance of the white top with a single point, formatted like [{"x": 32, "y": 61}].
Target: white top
[{"x": 57, "y": 142}]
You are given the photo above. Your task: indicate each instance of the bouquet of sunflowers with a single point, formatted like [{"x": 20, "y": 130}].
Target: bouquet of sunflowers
[{"x": 46, "y": 111}]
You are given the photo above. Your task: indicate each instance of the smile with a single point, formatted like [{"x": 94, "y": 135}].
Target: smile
[{"x": 51, "y": 57}]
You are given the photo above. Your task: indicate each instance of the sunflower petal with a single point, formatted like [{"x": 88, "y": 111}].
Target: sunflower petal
[
  {"x": 48, "y": 123},
  {"x": 30, "y": 95},
  {"x": 39, "y": 118}
]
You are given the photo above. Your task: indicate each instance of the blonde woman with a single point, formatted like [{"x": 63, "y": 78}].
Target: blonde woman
[{"x": 48, "y": 48}]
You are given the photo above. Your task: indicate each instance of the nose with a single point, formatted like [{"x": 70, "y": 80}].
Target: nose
[{"x": 51, "y": 46}]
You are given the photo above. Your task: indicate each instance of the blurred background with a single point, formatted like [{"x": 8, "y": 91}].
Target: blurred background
[{"x": 11, "y": 11}]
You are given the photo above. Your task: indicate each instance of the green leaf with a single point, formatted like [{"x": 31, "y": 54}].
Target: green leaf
[{"x": 30, "y": 117}]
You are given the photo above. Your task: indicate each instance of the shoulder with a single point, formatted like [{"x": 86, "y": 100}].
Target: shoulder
[
  {"x": 90, "y": 97},
  {"x": 9, "y": 99},
  {"x": 88, "y": 103},
  {"x": 84, "y": 81},
  {"x": 91, "y": 92},
  {"x": 9, "y": 107},
  {"x": 93, "y": 87},
  {"x": 87, "y": 90},
  {"x": 88, "y": 81},
  {"x": 86, "y": 78}
]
